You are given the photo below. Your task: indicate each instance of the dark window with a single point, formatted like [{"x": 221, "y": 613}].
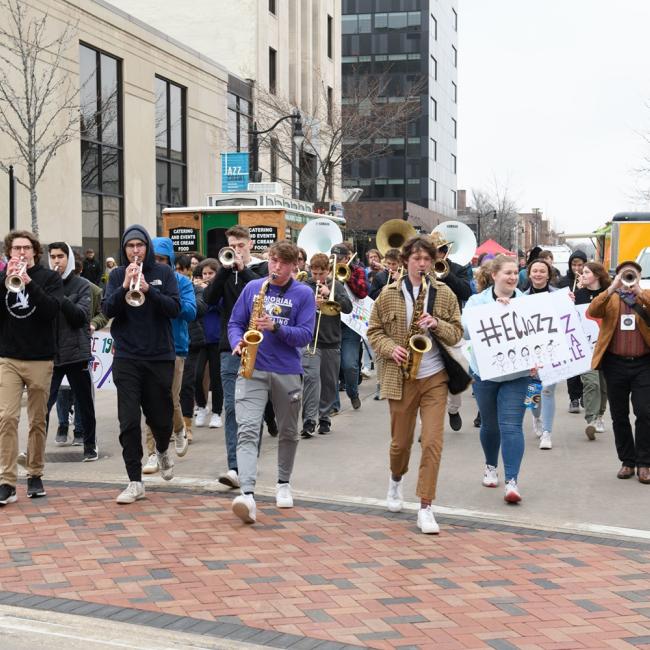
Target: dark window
[
  {"x": 330, "y": 35},
  {"x": 454, "y": 54},
  {"x": 433, "y": 153},
  {"x": 239, "y": 120},
  {"x": 455, "y": 19},
  {"x": 434, "y": 109},
  {"x": 100, "y": 115},
  {"x": 171, "y": 158},
  {"x": 435, "y": 190},
  {"x": 272, "y": 70},
  {"x": 454, "y": 127},
  {"x": 275, "y": 159},
  {"x": 453, "y": 163},
  {"x": 453, "y": 199},
  {"x": 272, "y": 6},
  {"x": 434, "y": 67},
  {"x": 434, "y": 27},
  {"x": 454, "y": 92},
  {"x": 330, "y": 104}
]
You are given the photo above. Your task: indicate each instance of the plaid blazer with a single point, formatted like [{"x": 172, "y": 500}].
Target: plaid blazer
[{"x": 388, "y": 329}]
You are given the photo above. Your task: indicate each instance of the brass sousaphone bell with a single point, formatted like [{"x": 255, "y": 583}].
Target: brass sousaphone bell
[{"x": 394, "y": 233}]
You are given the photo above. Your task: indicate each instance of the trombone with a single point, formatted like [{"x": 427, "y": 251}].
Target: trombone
[
  {"x": 328, "y": 307},
  {"x": 14, "y": 282},
  {"x": 134, "y": 296},
  {"x": 342, "y": 270}
]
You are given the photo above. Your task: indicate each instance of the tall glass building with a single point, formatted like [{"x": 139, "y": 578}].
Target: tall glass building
[{"x": 407, "y": 43}]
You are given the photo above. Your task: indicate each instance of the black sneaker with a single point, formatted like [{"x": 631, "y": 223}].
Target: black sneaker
[
  {"x": 455, "y": 421},
  {"x": 308, "y": 429},
  {"x": 35, "y": 487},
  {"x": 7, "y": 494},
  {"x": 272, "y": 428},
  {"x": 90, "y": 455},
  {"x": 356, "y": 403},
  {"x": 574, "y": 406},
  {"x": 477, "y": 421},
  {"x": 324, "y": 428},
  {"x": 78, "y": 440},
  {"x": 61, "y": 437}
]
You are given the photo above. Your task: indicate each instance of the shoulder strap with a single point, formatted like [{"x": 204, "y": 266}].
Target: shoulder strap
[{"x": 642, "y": 313}]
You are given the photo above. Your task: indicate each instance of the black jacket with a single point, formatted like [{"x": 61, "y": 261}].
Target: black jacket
[
  {"x": 378, "y": 283},
  {"x": 91, "y": 270},
  {"x": 226, "y": 287},
  {"x": 568, "y": 280},
  {"x": 145, "y": 332},
  {"x": 195, "y": 327},
  {"x": 28, "y": 319},
  {"x": 458, "y": 281},
  {"x": 585, "y": 296},
  {"x": 329, "y": 334}
]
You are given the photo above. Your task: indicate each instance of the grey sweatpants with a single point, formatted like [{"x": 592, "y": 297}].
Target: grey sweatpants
[
  {"x": 251, "y": 396},
  {"x": 321, "y": 384}
]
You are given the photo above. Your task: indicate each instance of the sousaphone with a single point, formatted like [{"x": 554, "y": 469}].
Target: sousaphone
[
  {"x": 394, "y": 233},
  {"x": 459, "y": 238},
  {"x": 318, "y": 236}
]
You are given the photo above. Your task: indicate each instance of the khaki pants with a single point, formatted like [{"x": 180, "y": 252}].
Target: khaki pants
[
  {"x": 179, "y": 364},
  {"x": 430, "y": 396},
  {"x": 37, "y": 377}
]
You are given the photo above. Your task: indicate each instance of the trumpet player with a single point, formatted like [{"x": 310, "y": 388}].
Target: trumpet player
[
  {"x": 29, "y": 303},
  {"x": 322, "y": 358},
  {"x": 279, "y": 313},
  {"x": 391, "y": 326},
  {"x": 144, "y": 353}
]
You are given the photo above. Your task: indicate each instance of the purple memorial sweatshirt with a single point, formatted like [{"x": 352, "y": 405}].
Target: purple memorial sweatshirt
[{"x": 294, "y": 308}]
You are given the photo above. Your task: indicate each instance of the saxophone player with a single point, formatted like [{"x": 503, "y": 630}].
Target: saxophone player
[
  {"x": 399, "y": 312},
  {"x": 281, "y": 312}
]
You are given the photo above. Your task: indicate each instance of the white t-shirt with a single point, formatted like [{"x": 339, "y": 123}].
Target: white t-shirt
[{"x": 431, "y": 361}]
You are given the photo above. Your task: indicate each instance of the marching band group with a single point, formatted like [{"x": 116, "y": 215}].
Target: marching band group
[{"x": 277, "y": 351}]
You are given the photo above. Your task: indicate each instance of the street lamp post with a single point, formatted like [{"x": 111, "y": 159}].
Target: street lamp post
[{"x": 298, "y": 138}]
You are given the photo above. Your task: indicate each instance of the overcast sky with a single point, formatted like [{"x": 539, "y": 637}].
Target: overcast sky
[{"x": 553, "y": 96}]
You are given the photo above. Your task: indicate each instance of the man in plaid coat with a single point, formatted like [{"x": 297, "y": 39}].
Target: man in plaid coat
[{"x": 389, "y": 327}]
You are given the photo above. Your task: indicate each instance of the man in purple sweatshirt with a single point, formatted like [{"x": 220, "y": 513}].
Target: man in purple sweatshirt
[{"x": 287, "y": 326}]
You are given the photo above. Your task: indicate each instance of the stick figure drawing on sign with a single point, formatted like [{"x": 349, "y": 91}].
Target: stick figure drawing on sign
[{"x": 500, "y": 361}]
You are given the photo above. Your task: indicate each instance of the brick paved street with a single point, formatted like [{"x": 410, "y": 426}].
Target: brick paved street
[{"x": 320, "y": 575}]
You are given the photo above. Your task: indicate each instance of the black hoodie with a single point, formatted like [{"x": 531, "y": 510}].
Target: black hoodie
[
  {"x": 145, "y": 332},
  {"x": 569, "y": 279},
  {"x": 28, "y": 319}
]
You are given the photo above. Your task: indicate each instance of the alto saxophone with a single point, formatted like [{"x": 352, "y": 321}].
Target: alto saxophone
[
  {"x": 417, "y": 343},
  {"x": 253, "y": 337}
]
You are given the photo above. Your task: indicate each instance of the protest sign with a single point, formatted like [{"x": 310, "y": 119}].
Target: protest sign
[
  {"x": 512, "y": 338},
  {"x": 101, "y": 365},
  {"x": 359, "y": 317},
  {"x": 590, "y": 325}
]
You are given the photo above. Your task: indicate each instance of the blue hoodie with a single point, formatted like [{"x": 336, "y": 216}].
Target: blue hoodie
[
  {"x": 143, "y": 333},
  {"x": 165, "y": 246}
]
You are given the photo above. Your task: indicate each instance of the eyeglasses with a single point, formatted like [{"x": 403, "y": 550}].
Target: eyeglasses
[
  {"x": 138, "y": 245},
  {"x": 29, "y": 247}
]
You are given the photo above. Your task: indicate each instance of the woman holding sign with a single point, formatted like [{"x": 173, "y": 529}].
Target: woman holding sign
[{"x": 500, "y": 400}]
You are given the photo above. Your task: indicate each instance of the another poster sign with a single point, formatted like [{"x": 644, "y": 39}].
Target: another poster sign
[
  {"x": 234, "y": 171},
  {"x": 263, "y": 236}
]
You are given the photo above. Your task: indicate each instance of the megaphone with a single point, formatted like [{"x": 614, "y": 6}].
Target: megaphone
[
  {"x": 318, "y": 236},
  {"x": 393, "y": 234},
  {"x": 460, "y": 238}
]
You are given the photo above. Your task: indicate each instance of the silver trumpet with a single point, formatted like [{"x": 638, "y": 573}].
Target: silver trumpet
[
  {"x": 14, "y": 282},
  {"x": 134, "y": 296},
  {"x": 227, "y": 257}
]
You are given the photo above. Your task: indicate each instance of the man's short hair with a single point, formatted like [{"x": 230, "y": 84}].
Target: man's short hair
[
  {"x": 285, "y": 251},
  {"x": 319, "y": 261},
  {"x": 302, "y": 252},
  {"x": 238, "y": 232},
  {"x": 543, "y": 255},
  {"x": 61, "y": 245},
  {"x": 393, "y": 254},
  {"x": 24, "y": 234},
  {"x": 183, "y": 262},
  {"x": 420, "y": 243}
]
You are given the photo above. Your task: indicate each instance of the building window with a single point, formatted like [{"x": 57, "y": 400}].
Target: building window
[
  {"x": 434, "y": 27},
  {"x": 272, "y": 70},
  {"x": 100, "y": 110},
  {"x": 453, "y": 163},
  {"x": 330, "y": 105},
  {"x": 454, "y": 53},
  {"x": 435, "y": 190},
  {"x": 453, "y": 199},
  {"x": 272, "y": 7},
  {"x": 434, "y": 68},
  {"x": 454, "y": 92},
  {"x": 330, "y": 35},
  {"x": 239, "y": 120},
  {"x": 171, "y": 155},
  {"x": 433, "y": 150},
  {"x": 434, "y": 110},
  {"x": 454, "y": 126},
  {"x": 455, "y": 19},
  {"x": 275, "y": 159}
]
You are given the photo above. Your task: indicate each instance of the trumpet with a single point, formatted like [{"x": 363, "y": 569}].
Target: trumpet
[
  {"x": 227, "y": 257},
  {"x": 342, "y": 270},
  {"x": 134, "y": 296},
  {"x": 629, "y": 279},
  {"x": 14, "y": 282}
]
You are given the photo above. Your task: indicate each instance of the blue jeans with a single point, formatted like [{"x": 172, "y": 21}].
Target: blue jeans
[
  {"x": 229, "y": 370},
  {"x": 350, "y": 342},
  {"x": 502, "y": 409},
  {"x": 547, "y": 408}
]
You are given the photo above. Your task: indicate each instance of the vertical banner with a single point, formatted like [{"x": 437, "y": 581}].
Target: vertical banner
[{"x": 234, "y": 171}]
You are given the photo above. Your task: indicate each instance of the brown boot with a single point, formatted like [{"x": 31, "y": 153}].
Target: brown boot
[
  {"x": 644, "y": 475},
  {"x": 188, "y": 429},
  {"x": 625, "y": 472}
]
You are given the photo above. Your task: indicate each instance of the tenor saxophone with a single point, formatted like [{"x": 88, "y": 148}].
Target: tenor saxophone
[
  {"x": 417, "y": 343},
  {"x": 253, "y": 337}
]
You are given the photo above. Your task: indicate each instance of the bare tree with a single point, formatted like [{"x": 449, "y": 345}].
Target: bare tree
[
  {"x": 496, "y": 213},
  {"x": 38, "y": 100},
  {"x": 336, "y": 134}
]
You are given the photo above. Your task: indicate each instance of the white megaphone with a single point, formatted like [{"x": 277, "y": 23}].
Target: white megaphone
[
  {"x": 318, "y": 236},
  {"x": 461, "y": 240}
]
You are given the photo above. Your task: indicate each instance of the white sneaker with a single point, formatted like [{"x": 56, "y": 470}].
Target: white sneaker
[
  {"x": 512, "y": 494},
  {"x": 365, "y": 372},
  {"x": 427, "y": 522},
  {"x": 545, "y": 441},
  {"x": 215, "y": 421},
  {"x": 134, "y": 491},
  {"x": 181, "y": 443},
  {"x": 230, "y": 479},
  {"x": 395, "y": 498},
  {"x": 166, "y": 465},
  {"x": 283, "y": 498},
  {"x": 22, "y": 459},
  {"x": 244, "y": 507},
  {"x": 600, "y": 425},
  {"x": 537, "y": 426},
  {"x": 151, "y": 466},
  {"x": 201, "y": 417},
  {"x": 490, "y": 476}
]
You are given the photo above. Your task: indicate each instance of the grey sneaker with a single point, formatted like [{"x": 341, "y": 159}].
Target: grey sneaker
[
  {"x": 133, "y": 491},
  {"x": 181, "y": 443},
  {"x": 166, "y": 465}
]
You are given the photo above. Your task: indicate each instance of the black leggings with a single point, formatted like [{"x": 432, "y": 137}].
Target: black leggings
[{"x": 209, "y": 354}]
